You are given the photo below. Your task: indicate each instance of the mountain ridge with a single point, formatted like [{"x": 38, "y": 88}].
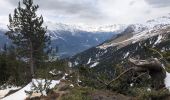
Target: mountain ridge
[
  {"x": 70, "y": 39},
  {"x": 130, "y": 42}
]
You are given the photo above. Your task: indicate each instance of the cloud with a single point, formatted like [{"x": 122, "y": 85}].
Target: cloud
[
  {"x": 95, "y": 12},
  {"x": 83, "y": 8},
  {"x": 132, "y": 2},
  {"x": 158, "y": 3}
]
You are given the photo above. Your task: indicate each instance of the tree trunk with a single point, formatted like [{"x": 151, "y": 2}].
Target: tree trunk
[
  {"x": 31, "y": 61},
  {"x": 155, "y": 69}
]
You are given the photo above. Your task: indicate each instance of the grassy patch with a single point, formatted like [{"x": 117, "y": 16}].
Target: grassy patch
[{"x": 78, "y": 93}]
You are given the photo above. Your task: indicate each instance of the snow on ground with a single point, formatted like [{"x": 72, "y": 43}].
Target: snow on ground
[
  {"x": 6, "y": 90},
  {"x": 158, "y": 40},
  {"x": 70, "y": 64},
  {"x": 167, "y": 80},
  {"x": 95, "y": 64},
  {"x": 64, "y": 77},
  {"x": 54, "y": 72},
  {"x": 21, "y": 95},
  {"x": 76, "y": 63},
  {"x": 126, "y": 55},
  {"x": 89, "y": 61}
]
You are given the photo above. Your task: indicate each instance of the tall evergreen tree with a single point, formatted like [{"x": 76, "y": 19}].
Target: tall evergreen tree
[{"x": 28, "y": 34}]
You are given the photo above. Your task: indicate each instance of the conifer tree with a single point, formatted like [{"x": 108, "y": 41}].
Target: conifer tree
[{"x": 28, "y": 34}]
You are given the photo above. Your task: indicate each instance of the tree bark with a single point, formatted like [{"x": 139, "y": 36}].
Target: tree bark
[
  {"x": 150, "y": 64},
  {"x": 154, "y": 68},
  {"x": 124, "y": 72},
  {"x": 31, "y": 61}
]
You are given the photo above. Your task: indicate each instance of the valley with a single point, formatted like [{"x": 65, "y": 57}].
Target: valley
[{"x": 85, "y": 50}]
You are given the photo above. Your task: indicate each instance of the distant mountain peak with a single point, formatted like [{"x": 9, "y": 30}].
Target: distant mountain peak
[
  {"x": 138, "y": 32},
  {"x": 130, "y": 43},
  {"x": 87, "y": 28}
]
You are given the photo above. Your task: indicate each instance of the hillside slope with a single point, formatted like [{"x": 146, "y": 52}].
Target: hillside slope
[{"x": 131, "y": 42}]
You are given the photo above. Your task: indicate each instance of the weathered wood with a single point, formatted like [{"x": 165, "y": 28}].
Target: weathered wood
[
  {"x": 149, "y": 64},
  {"x": 155, "y": 69},
  {"x": 124, "y": 72}
]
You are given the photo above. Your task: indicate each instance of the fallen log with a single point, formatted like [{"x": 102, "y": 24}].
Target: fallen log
[{"x": 155, "y": 69}]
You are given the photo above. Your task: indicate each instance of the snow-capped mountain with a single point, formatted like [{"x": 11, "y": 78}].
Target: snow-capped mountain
[
  {"x": 138, "y": 32},
  {"x": 131, "y": 42},
  {"x": 88, "y": 28},
  {"x": 72, "y": 39}
]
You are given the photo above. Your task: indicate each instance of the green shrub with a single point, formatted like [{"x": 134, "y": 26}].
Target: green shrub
[
  {"x": 78, "y": 93},
  {"x": 145, "y": 94}
]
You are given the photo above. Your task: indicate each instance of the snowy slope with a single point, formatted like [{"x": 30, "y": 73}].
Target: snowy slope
[
  {"x": 153, "y": 33},
  {"x": 21, "y": 95},
  {"x": 164, "y": 20},
  {"x": 5, "y": 91},
  {"x": 167, "y": 80},
  {"x": 142, "y": 31}
]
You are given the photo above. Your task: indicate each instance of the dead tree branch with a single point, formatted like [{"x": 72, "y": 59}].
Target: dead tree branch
[
  {"x": 119, "y": 76},
  {"x": 154, "y": 50}
]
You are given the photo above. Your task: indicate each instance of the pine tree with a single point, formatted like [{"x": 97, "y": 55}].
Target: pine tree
[
  {"x": 28, "y": 34},
  {"x": 3, "y": 66}
]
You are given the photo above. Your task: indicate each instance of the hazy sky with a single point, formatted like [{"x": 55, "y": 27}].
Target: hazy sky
[{"x": 93, "y": 12}]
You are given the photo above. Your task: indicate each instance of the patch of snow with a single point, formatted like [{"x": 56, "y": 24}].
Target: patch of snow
[
  {"x": 150, "y": 42},
  {"x": 76, "y": 63},
  {"x": 66, "y": 74},
  {"x": 126, "y": 55},
  {"x": 6, "y": 90},
  {"x": 78, "y": 80},
  {"x": 21, "y": 95},
  {"x": 53, "y": 72},
  {"x": 148, "y": 89},
  {"x": 167, "y": 80},
  {"x": 158, "y": 40},
  {"x": 95, "y": 64},
  {"x": 64, "y": 77},
  {"x": 71, "y": 85},
  {"x": 70, "y": 64},
  {"x": 89, "y": 61},
  {"x": 163, "y": 49},
  {"x": 132, "y": 84}
]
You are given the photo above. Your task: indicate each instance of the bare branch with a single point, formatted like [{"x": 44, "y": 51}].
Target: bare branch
[
  {"x": 140, "y": 75},
  {"x": 120, "y": 75},
  {"x": 154, "y": 50}
]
